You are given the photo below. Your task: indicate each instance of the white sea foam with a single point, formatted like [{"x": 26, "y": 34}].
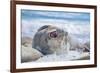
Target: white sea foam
[
  {"x": 72, "y": 55},
  {"x": 79, "y": 29}
]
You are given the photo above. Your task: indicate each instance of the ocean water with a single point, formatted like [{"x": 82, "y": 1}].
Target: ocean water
[{"x": 76, "y": 23}]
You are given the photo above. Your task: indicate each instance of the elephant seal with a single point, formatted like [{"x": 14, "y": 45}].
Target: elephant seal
[
  {"x": 51, "y": 39},
  {"x": 29, "y": 54}
]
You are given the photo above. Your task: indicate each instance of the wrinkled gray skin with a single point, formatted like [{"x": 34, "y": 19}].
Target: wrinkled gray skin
[
  {"x": 41, "y": 38},
  {"x": 40, "y": 43}
]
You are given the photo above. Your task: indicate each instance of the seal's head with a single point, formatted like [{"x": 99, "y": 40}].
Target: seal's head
[{"x": 50, "y": 38}]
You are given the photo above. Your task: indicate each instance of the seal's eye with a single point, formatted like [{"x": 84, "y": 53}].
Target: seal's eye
[{"x": 53, "y": 34}]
